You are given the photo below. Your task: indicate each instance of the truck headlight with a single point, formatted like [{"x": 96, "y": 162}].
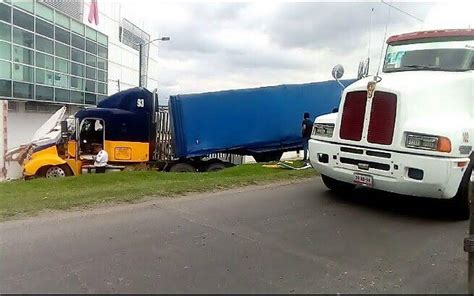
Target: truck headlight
[
  {"x": 428, "y": 142},
  {"x": 323, "y": 129}
]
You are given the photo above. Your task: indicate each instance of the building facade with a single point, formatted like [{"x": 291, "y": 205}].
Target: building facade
[{"x": 51, "y": 56}]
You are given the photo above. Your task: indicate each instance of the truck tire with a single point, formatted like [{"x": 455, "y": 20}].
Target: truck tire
[
  {"x": 215, "y": 166},
  {"x": 182, "y": 167},
  {"x": 461, "y": 202},
  {"x": 335, "y": 185},
  {"x": 55, "y": 171},
  {"x": 267, "y": 156}
]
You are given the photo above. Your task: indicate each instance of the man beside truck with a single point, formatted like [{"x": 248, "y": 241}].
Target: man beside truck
[{"x": 306, "y": 128}]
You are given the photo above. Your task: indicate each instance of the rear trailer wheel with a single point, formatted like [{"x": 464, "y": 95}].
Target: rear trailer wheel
[
  {"x": 182, "y": 167},
  {"x": 59, "y": 171},
  {"x": 461, "y": 202},
  {"x": 336, "y": 185},
  {"x": 268, "y": 156},
  {"x": 216, "y": 166}
]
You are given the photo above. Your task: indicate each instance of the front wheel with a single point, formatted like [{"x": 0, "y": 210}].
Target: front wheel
[
  {"x": 336, "y": 185},
  {"x": 60, "y": 171}
]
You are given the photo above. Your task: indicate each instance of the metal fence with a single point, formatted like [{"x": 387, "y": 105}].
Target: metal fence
[{"x": 164, "y": 147}]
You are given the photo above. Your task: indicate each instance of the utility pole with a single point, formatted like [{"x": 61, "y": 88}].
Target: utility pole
[{"x": 140, "y": 57}]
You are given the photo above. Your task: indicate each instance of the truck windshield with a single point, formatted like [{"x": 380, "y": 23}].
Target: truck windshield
[{"x": 431, "y": 56}]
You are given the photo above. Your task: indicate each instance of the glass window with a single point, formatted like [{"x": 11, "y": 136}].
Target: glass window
[
  {"x": 5, "y": 70},
  {"x": 23, "y": 90},
  {"x": 6, "y": 88},
  {"x": 102, "y": 52},
  {"x": 43, "y": 44},
  {"x": 44, "y": 61},
  {"x": 91, "y": 47},
  {"x": 102, "y": 76},
  {"x": 62, "y": 50},
  {"x": 23, "y": 20},
  {"x": 25, "y": 4},
  {"x": 90, "y": 99},
  {"x": 23, "y": 73},
  {"x": 61, "y": 95},
  {"x": 22, "y": 37},
  {"x": 23, "y": 55},
  {"x": 91, "y": 60},
  {"x": 91, "y": 73},
  {"x": 61, "y": 80},
  {"x": 77, "y": 55},
  {"x": 77, "y": 27},
  {"x": 5, "y": 51},
  {"x": 101, "y": 64},
  {"x": 101, "y": 38},
  {"x": 44, "y": 11},
  {"x": 62, "y": 35},
  {"x": 5, "y": 32},
  {"x": 102, "y": 88},
  {"x": 44, "y": 93},
  {"x": 62, "y": 65},
  {"x": 77, "y": 83},
  {"x": 77, "y": 41},
  {"x": 77, "y": 69},
  {"x": 90, "y": 85},
  {"x": 5, "y": 12},
  {"x": 100, "y": 98},
  {"x": 44, "y": 28},
  {"x": 91, "y": 33},
  {"x": 77, "y": 97},
  {"x": 44, "y": 77},
  {"x": 62, "y": 20}
]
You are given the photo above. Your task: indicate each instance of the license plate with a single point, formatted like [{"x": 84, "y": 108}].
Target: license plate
[{"x": 364, "y": 180}]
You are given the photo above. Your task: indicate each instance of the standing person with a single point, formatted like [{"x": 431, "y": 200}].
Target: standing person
[
  {"x": 101, "y": 159},
  {"x": 307, "y": 127}
]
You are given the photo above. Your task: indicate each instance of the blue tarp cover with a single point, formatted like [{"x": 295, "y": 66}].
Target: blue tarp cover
[{"x": 248, "y": 120}]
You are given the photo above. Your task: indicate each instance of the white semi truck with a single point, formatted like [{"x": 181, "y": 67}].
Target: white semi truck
[{"x": 409, "y": 129}]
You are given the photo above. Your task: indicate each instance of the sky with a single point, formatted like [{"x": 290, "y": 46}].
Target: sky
[{"x": 231, "y": 45}]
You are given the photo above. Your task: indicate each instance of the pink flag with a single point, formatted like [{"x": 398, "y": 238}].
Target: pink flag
[{"x": 93, "y": 12}]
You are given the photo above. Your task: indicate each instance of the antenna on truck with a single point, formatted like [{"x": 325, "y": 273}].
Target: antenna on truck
[
  {"x": 370, "y": 40},
  {"x": 364, "y": 64},
  {"x": 383, "y": 41}
]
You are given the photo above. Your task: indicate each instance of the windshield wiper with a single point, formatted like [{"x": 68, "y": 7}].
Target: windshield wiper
[{"x": 421, "y": 67}]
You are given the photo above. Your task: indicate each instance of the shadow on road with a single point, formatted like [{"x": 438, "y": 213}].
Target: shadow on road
[{"x": 398, "y": 205}]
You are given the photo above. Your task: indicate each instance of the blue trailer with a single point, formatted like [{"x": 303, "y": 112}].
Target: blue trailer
[{"x": 263, "y": 122}]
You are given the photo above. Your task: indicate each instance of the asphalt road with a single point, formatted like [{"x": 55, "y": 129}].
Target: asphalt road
[{"x": 296, "y": 238}]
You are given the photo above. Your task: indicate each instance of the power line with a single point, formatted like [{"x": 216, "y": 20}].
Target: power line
[{"x": 403, "y": 11}]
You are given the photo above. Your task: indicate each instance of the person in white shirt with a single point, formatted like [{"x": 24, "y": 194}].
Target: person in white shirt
[{"x": 101, "y": 159}]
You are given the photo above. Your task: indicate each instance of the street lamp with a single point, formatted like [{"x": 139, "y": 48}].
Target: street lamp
[{"x": 140, "y": 49}]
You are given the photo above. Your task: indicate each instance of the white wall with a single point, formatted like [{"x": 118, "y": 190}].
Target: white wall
[{"x": 21, "y": 127}]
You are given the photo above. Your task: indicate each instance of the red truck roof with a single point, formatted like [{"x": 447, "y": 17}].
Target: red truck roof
[{"x": 431, "y": 34}]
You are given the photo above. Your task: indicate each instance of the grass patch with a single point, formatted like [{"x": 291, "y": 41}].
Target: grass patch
[{"x": 31, "y": 197}]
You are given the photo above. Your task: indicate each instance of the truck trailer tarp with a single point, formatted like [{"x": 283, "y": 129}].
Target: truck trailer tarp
[{"x": 248, "y": 121}]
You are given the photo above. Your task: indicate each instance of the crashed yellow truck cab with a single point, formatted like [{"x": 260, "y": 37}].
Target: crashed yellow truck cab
[{"x": 41, "y": 158}]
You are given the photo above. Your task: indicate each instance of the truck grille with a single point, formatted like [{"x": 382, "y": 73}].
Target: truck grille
[
  {"x": 382, "y": 117},
  {"x": 353, "y": 114}
]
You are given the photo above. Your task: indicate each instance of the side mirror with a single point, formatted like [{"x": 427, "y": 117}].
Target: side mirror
[
  {"x": 363, "y": 70},
  {"x": 64, "y": 131},
  {"x": 337, "y": 72}
]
